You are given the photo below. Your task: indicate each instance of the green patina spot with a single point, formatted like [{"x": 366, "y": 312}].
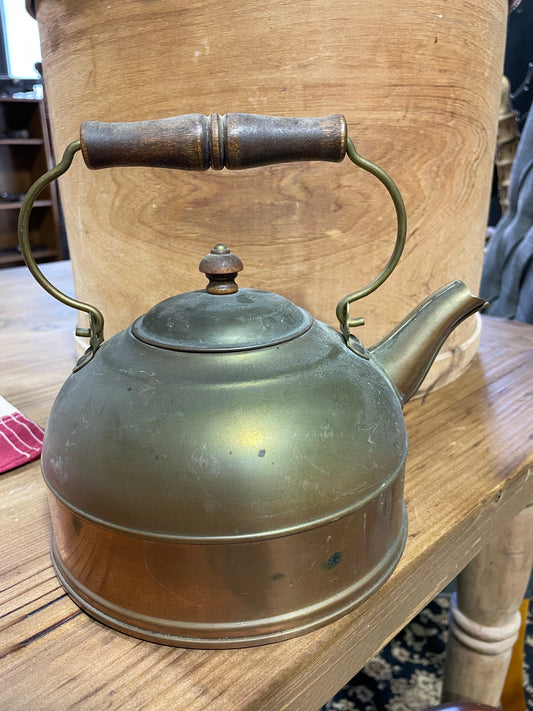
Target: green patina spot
[{"x": 333, "y": 560}]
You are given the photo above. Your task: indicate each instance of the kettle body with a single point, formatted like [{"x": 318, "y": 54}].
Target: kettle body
[{"x": 225, "y": 498}]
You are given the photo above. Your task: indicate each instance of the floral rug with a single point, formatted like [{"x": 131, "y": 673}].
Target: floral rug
[{"x": 407, "y": 674}]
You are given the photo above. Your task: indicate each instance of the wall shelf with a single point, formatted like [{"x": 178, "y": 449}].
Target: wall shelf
[
  {"x": 6, "y": 205},
  {"x": 25, "y": 155},
  {"x": 21, "y": 142}
]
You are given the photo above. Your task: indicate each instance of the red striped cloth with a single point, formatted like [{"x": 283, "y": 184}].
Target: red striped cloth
[{"x": 21, "y": 440}]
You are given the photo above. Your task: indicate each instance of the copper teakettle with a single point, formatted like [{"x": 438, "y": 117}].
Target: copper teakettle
[{"x": 229, "y": 471}]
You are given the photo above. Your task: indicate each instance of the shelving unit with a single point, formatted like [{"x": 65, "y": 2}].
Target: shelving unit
[{"x": 25, "y": 154}]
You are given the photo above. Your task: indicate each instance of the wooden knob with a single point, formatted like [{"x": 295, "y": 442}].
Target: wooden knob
[{"x": 221, "y": 268}]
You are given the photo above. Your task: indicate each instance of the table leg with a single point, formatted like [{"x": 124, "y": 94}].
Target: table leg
[{"x": 485, "y": 618}]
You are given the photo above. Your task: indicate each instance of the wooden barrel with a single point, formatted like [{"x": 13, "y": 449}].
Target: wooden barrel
[{"x": 418, "y": 82}]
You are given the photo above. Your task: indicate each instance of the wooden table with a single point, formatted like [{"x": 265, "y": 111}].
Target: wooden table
[{"x": 468, "y": 476}]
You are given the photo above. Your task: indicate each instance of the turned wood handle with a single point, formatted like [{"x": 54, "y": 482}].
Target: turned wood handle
[{"x": 198, "y": 142}]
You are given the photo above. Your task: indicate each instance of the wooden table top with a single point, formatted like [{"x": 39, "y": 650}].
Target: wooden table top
[{"x": 469, "y": 471}]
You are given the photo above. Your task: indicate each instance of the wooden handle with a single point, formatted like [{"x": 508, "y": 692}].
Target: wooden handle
[{"x": 198, "y": 142}]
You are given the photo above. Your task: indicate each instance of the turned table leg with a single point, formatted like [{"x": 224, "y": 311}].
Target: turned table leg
[{"x": 485, "y": 618}]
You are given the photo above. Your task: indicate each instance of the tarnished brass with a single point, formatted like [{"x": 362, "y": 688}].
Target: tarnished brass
[
  {"x": 407, "y": 353},
  {"x": 229, "y": 471},
  {"x": 95, "y": 332},
  {"x": 342, "y": 310}
]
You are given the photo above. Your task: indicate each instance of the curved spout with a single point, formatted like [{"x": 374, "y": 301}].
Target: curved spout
[{"x": 406, "y": 354}]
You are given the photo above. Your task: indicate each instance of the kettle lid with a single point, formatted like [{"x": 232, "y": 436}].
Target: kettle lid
[{"x": 222, "y": 317}]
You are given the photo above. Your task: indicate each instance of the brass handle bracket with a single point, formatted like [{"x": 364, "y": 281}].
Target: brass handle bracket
[
  {"x": 343, "y": 307},
  {"x": 95, "y": 332}
]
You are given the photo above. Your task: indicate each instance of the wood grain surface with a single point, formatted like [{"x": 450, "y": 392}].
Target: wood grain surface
[
  {"x": 418, "y": 82},
  {"x": 469, "y": 472}
]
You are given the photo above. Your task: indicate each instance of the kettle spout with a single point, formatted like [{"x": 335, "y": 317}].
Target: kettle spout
[{"x": 406, "y": 354}]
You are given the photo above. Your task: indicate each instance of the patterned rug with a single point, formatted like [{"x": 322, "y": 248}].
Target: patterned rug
[{"x": 407, "y": 674}]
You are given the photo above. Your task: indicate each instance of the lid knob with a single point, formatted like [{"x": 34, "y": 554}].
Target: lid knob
[{"x": 221, "y": 268}]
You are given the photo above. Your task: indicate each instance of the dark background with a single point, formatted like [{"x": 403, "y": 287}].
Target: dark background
[{"x": 3, "y": 56}]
